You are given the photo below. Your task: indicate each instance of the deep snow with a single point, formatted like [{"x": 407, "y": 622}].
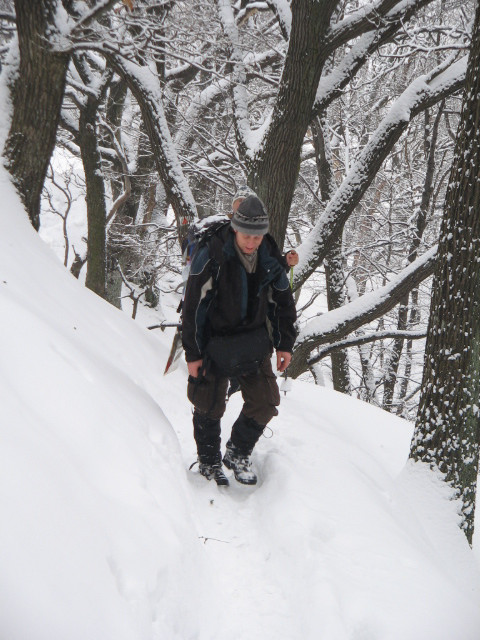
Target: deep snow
[{"x": 106, "y": 534}]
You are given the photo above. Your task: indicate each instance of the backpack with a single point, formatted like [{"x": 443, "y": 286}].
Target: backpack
[{"x": 199, "y": 234}]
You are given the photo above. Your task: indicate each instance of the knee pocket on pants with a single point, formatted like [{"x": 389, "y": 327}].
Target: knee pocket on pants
[
  {"x": 261, "y": 405},
  {"x": 273, "y": 390},
  {"x": 274, "y": 396},
  {"x": 193, "y": 388},
  {"x": 207, "y": 396}
]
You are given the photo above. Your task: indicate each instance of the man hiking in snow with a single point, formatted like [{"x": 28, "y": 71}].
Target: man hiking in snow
[
  {"x": 196, "y": 235},
  {"x": 238, "y": 306}
]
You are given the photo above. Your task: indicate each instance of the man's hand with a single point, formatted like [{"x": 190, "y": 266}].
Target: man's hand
[
  {"x": 292, "y": 258},
  {"x": 194, "y": 368},
  {"x": 283, "y": 360}
]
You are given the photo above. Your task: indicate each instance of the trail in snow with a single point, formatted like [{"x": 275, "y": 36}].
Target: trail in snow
[
  {"x": 251, "y": 599},
  {"x": 326, "y": 542},
  {"x": 250, "y": 596}
]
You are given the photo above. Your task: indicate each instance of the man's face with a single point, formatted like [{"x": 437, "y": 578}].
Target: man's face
[{"x": 247, "y": 243}]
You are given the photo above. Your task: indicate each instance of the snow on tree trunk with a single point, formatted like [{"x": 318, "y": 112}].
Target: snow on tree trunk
[
  {"x": 334, "y": 275},
  {"x": 274, "y": 171},
  {"x": 447, "y": 429},
  {"x": 95, "y": 196},
  {"x": 391, "y": 370},
  {"x": 36, "y": 92}
]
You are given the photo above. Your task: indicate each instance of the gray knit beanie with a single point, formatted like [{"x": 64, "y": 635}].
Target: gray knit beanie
[{"x": 250, "y": 217}]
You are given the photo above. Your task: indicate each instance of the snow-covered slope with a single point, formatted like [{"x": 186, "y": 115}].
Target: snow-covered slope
[{"x": 106, "y": 535}]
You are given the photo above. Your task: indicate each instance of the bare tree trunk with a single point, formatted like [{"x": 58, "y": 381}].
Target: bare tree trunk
[
  {"x": 114, "y": 110},
  {"x": 430, "y": 142},
  {"x": 335, "y": 299},
  {"x": 334, "y": 260},
  {"x": 391, "y": 368},
  {"x": 447, "y": 430},
  {"x": 274, "y": 173},
  {"x": 412, "y": 323},
  {"x": 359, "y": 312},
  {"x": 95, "y": 197},
  {"x": 36, "y": 90},
  {"x": 88, "y": 140}
]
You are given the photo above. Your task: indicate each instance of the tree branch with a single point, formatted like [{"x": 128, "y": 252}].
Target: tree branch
[
  {"x": 379, "y": 16},
  {"x": 422, "y": 93},
  {"x": 146, "y": 90},
  {"x": 239, "y": 92},
  {"x": 8, "y": 17},
  {"x": 336, "y": 324},
  {"x": 359, "y": 340},
  {"x": 102, "y": 7},
  {"x": 371, "y": 38}
]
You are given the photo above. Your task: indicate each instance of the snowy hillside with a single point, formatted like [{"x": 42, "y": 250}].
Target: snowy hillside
[{"x": 106, "y": 535}]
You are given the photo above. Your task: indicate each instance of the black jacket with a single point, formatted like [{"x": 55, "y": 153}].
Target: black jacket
[{"x": 221, "y": 298}]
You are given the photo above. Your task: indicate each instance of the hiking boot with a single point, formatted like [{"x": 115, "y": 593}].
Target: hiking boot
[
  {"x": 240, "y": 463},
  {"x": 213, "y": 471}
]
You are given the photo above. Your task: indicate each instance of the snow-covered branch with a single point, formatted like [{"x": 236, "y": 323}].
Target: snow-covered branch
[
  {"x": 144, "y": 85},
  {"x": 338, "y": 323},
  {"x": 377, "y": 15},
  {"x": 283, "y": 13},
  {"x": 422, "y": 93},
  {"x": 331, "y": 85},
  {"x": 99, "y": 9},
  {"x": 239, "y": 92},
  {"x": 372, "y": 36},
  {"x": 120, "y": 154},
  {"x": 356, "y": 341},
  {"x": 8, "y": 17},
  {"x": 213, "y": 93}
]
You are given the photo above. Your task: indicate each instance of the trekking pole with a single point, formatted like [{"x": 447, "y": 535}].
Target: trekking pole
[{"x": 163, "y": 325}]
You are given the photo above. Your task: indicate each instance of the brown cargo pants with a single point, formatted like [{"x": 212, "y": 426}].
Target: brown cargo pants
[{"x": 261, "y": 396}]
